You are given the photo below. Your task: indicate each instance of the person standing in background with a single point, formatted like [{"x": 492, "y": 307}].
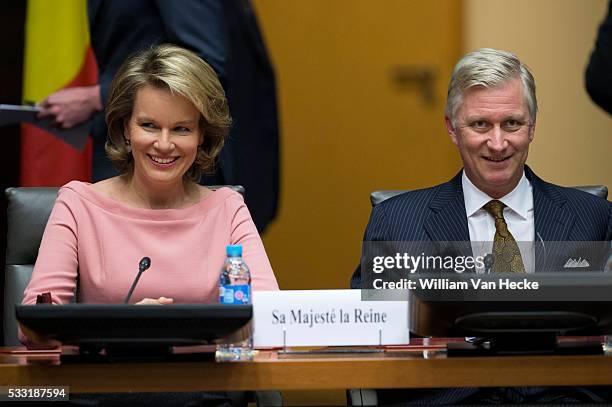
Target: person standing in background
[
  {"x": 223, "y": 33},
  {"x": 598, "y": 75}
]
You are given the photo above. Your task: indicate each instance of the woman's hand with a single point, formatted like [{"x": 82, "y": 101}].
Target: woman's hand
[
  {"x": 35, "y": 341},
  {"x": 155, "y": 301}
]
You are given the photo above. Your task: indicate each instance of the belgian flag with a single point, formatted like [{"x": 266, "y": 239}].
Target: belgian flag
[{"x": 57, "y": 55}]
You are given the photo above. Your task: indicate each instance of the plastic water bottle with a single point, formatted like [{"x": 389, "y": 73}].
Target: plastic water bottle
[{"x": 235, "y": 288}]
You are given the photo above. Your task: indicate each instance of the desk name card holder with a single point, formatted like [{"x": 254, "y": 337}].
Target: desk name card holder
[{"x": 324, "y": 318}]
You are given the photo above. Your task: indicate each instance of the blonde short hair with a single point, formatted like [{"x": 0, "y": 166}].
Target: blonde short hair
[
  {"x": 182, "y": 72},
  {"x": 489, "y": 67}
]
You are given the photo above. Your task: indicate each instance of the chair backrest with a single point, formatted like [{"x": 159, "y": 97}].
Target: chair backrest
[
  {"x": 377, "y": 197},
  {"x": 28, "y": 211}
]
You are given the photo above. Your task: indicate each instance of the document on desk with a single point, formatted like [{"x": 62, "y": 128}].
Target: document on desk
[{"x": 75, "y": 136}]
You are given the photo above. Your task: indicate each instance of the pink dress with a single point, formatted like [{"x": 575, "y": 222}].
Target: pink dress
[{"x": 101, "y": 241}]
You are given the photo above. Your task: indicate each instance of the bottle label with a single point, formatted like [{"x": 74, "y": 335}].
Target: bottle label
[{"x": 234, "y": 294}]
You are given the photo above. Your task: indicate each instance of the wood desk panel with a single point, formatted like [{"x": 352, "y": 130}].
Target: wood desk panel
[{"x": 268, "y": 371}]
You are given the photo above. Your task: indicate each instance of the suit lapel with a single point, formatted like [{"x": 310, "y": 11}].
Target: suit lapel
[
  {"x": 552, "y": 222},
  {"x": 447, "y": 221}
]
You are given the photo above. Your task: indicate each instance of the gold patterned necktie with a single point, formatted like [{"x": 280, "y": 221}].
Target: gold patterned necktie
[{"x": 506, "y": 253}]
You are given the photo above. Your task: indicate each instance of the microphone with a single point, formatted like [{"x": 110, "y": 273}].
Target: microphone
[
  {"x": 144, "y": 264},
  {"x": 541, "y": 261}
]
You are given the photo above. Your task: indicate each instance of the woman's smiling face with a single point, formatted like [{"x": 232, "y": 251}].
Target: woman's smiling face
[{"x": 164, "y": 134}]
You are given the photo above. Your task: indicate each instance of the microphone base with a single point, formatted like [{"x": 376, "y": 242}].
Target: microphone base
[{"x": 523, "y": 344}]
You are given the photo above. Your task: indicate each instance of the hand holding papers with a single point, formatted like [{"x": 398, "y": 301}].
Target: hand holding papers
[{"x": 75, "y": 136}]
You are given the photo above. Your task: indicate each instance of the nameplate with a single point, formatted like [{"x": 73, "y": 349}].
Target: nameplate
[{"x": 326, "y": 318}]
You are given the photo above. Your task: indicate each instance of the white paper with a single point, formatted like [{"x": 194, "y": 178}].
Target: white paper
[
  {"x": 75, "y": 136},
  {"x": 327, "y": 318}
]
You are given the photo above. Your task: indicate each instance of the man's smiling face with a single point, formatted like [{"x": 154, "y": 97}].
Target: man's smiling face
[{"x": 493, "y": 131}]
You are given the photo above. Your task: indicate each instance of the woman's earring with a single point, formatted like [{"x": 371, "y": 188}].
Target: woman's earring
[{"x": 128, "y": 145}]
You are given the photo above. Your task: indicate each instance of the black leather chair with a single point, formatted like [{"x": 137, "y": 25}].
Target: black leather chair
[
  {"x": 377, "y": 197},
  {"x": 28, "y": 210}
]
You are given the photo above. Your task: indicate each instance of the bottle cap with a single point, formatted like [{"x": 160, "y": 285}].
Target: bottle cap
[{"x": 234, "y": 250}]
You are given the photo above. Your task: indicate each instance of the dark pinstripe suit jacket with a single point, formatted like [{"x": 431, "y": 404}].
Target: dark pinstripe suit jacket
[{"x": 438, "y": 214}]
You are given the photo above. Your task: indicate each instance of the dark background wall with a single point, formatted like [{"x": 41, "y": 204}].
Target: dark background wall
[{"x": 12, "y": 19}]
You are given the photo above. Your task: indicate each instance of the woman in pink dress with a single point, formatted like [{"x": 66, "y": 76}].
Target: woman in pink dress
[{"x": 167, "y": 117}]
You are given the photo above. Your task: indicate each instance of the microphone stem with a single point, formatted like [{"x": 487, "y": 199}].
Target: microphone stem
[{"x": 129, "y": 295}]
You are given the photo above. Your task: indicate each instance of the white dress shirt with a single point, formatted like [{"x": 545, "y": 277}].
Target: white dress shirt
[{"x": 518, "y": 214}]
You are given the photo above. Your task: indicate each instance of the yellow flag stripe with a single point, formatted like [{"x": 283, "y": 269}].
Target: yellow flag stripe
[{"x": 56, "y": 41}]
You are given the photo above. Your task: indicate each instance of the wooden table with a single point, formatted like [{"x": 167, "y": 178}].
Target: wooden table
[{"x": 270, "y": 370}]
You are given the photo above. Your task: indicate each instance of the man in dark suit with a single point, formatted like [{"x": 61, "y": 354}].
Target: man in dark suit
[
  {"x": 495, "y": 199},
  {"x": 491, "y": 116},
  {"x": 226, "y": 35}
]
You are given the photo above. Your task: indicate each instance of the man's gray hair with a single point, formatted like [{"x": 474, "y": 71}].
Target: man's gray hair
[{"x": 488, "y": 67}]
